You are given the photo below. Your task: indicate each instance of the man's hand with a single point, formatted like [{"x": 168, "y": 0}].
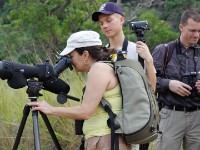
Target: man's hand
[
  {"x": 179, "y": 88},
  {"x": 143, "y": 51},
  {"x": 197, "y": 85}
]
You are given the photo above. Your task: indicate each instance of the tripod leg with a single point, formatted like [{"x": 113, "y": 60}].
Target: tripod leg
[
  {"x": 36, "y": 130},
  {"x": 26, "y": 112},
  {"x": 50, "y": 129}
]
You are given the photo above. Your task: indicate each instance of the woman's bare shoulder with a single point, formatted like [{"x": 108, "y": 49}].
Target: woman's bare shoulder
[
  {"x": 101, "y": 65},
  {"x": 101, "y": 68}
]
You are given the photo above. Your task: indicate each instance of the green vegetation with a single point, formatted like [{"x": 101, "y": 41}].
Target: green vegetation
[
  {"x": 12, "y": 103},
  {"x": 35, "y": 30}
]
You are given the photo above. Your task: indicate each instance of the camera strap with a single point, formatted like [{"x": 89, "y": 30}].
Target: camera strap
[{"x": 169, "y": 48}]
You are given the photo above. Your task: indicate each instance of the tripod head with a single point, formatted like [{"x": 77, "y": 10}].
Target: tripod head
[{"x": 35, "y": 86}]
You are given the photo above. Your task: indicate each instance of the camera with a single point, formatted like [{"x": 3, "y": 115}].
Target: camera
[
  {"x": 139, "y": 27},
  {"x": 17, "y": 74},
  {"x": 190, "y": 79}
]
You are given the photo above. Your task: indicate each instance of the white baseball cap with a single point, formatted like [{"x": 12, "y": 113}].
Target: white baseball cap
[{"x": 81, "y": 39}]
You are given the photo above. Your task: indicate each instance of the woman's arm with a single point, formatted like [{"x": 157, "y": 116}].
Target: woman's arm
[{"x": 100, "y": 78}]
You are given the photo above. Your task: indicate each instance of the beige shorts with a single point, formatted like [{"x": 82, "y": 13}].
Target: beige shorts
[{"x": 104, "y": 143}]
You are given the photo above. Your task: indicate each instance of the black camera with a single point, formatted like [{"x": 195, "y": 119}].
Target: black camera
[
  {"x": 139, "y": 27},
  {"x": 190, "y": 79}
]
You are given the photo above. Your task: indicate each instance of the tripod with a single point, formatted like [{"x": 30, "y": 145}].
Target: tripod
[{"x": 33, "y": 93}]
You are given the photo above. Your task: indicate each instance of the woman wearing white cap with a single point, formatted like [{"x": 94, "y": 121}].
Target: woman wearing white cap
[{"x": 84, "y": 49}]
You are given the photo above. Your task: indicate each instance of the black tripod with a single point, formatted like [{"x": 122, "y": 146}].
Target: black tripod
[{"x": 33, "y": 93}]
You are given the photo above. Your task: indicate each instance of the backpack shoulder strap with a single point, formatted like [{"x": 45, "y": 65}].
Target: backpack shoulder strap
[
  {"x": 110, "y": 122},
  {"x": 125, "y": 45}
]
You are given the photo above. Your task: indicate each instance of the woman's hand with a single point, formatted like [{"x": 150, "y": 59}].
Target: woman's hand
[{"x": 42, "y": 106}]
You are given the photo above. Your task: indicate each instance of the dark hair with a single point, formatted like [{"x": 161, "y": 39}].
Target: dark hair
[
  {"x": 98, "y": 53},
  {"x": 190, "y": 14}
]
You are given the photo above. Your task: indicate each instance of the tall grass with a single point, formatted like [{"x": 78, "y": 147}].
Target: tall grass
[{"x": 12, "y": 102}]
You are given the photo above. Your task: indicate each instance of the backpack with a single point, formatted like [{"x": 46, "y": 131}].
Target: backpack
[{"x": 139, "y": 119}]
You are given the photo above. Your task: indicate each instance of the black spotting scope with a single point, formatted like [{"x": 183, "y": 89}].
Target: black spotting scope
[{"x": 17, "y": 75}]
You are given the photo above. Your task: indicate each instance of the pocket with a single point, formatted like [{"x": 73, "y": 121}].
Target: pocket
[
  {"x": 164, "y": 113},
  {"x": 159, "y": 141},
  {"x": 173, "y": 71}
]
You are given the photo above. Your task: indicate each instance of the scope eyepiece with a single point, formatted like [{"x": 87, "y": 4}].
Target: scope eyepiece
[{"x": 63, "y": 63}]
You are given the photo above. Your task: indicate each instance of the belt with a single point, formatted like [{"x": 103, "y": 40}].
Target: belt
[{"x": 182, "y": 108}]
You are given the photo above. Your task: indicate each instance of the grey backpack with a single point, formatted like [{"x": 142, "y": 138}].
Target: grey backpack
[{"x": 138, "y": 121}]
